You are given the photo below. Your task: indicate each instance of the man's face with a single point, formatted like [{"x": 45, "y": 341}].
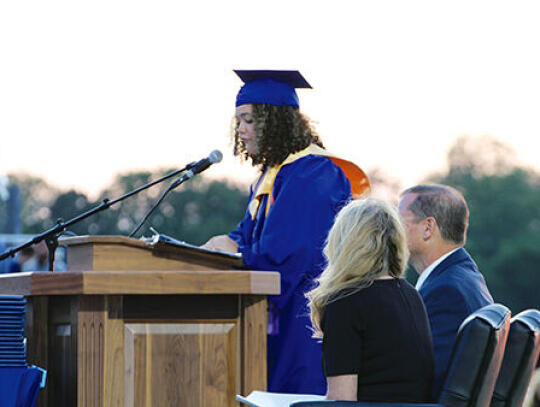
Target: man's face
[{"x": 414, "y": 229}]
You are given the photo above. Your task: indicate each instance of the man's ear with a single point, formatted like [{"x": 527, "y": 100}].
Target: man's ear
[{"x": 430, "y": 225}]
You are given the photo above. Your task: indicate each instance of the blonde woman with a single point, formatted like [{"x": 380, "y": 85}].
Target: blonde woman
[{"x": 373, "y": 324}]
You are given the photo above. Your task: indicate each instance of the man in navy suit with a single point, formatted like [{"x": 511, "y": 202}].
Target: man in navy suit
[{"x": 436, "y": 218}]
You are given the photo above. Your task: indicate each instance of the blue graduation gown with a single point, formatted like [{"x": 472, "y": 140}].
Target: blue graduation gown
[{"x": 307, "y": 194}]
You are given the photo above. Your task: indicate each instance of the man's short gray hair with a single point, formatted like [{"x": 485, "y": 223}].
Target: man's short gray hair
[{"x": 446, "y": 204}]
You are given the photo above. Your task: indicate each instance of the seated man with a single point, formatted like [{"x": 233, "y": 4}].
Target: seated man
[{"x": 436, "y": 218}]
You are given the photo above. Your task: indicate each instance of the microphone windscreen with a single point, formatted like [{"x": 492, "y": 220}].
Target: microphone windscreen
[{"x": 215, "y": 156}]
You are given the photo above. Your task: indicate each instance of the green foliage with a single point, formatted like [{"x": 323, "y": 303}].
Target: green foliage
[
  {"x": 504, "y": 230},
  {"x": 37, "y": 197},
  {"x": 68, "y": 205},
  {"x": 195, "y": 211}
]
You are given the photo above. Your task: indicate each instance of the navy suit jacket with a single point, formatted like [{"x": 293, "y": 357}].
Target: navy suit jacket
[{"x": 453, "y": 290}]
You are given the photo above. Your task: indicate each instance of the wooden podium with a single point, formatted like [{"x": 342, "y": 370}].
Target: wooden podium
[{"x": 137, "y": 325}]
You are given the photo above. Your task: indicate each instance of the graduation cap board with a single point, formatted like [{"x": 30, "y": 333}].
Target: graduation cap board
[{"x": 270, "y": 87}]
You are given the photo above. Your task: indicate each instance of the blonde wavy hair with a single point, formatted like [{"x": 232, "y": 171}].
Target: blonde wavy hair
[{"x": 366, "y": 242}]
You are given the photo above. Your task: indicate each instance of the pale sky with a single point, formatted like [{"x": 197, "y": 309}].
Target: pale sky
[{"x": 90, "y": 89}]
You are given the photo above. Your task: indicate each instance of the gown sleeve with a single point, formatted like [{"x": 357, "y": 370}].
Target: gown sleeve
[{"x": 307, "y": 196}]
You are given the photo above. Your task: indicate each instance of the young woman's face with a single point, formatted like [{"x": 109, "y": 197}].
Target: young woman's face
[{"x": 246, "y": 128}]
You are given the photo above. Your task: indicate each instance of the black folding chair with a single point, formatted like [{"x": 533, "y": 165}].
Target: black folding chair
[
  {"x": 520, "y": 356},
  {"x": 474, "y": 364}
]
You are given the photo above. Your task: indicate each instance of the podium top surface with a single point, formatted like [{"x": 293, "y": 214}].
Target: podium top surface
[
  {"x": 78, "y": 240},
  {"x": 141, "y": 282},
  {"x": 115, "y": 265},
  {"x": 107, "y": 253}
]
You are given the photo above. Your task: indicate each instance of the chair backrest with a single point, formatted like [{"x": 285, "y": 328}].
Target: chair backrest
[
  {"x": 520, "y": 356},
  {"x": 476, "y": 358},
  {"x": 19, "y": 383},
  {"x": 19, "y": 386}
]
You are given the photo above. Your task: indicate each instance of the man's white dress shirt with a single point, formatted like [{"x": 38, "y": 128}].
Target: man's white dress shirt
[{"x": 425, "y": 274}]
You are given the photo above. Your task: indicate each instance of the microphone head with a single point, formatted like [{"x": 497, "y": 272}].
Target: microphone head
[{"x": 215, "y": 156}]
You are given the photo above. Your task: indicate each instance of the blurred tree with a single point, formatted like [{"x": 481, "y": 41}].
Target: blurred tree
[
  {"x": 37, "y": 197},
  {"x": 504, "y": 204},
  {"x": 195, "y": 211},
  {"x": 122, "y": 217},
  {"x": 68, "y": 205}
]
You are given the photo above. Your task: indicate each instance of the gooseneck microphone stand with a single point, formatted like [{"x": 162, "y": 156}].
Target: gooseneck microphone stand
[
  {"x": 51, "y": 235},
  {"x": 189, "y": 174},
  {"x": 193, "y": 169}
]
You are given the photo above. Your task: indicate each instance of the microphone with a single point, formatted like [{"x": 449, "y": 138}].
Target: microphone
[
  {"x": 198, "y": 166},
  {"x": 201, "y": 165}
]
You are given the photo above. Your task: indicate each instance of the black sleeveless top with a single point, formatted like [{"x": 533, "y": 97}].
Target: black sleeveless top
[{"x": 381, "y": 333}]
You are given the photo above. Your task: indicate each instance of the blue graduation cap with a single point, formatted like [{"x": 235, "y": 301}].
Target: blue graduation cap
[{"x": 270, "y": 87}]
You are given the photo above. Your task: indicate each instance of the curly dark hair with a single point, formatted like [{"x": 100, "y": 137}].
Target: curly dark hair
[{"x": 280, "y": 131}]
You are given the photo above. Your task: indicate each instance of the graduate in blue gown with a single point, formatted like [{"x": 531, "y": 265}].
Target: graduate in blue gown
[{"x": 291, "y": 208}]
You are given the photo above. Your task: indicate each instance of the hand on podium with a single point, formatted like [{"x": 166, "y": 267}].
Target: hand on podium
[{"x": 222, "y": 243}]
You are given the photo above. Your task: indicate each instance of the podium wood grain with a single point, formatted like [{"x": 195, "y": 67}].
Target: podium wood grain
[
  {"x": 194, "y": 362},
  {"x": 123, "y": 253},
  {"x": 254, "y": 341},
  {"x": 141, "y": 282},
  {"x": 146, "y": 337}
]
